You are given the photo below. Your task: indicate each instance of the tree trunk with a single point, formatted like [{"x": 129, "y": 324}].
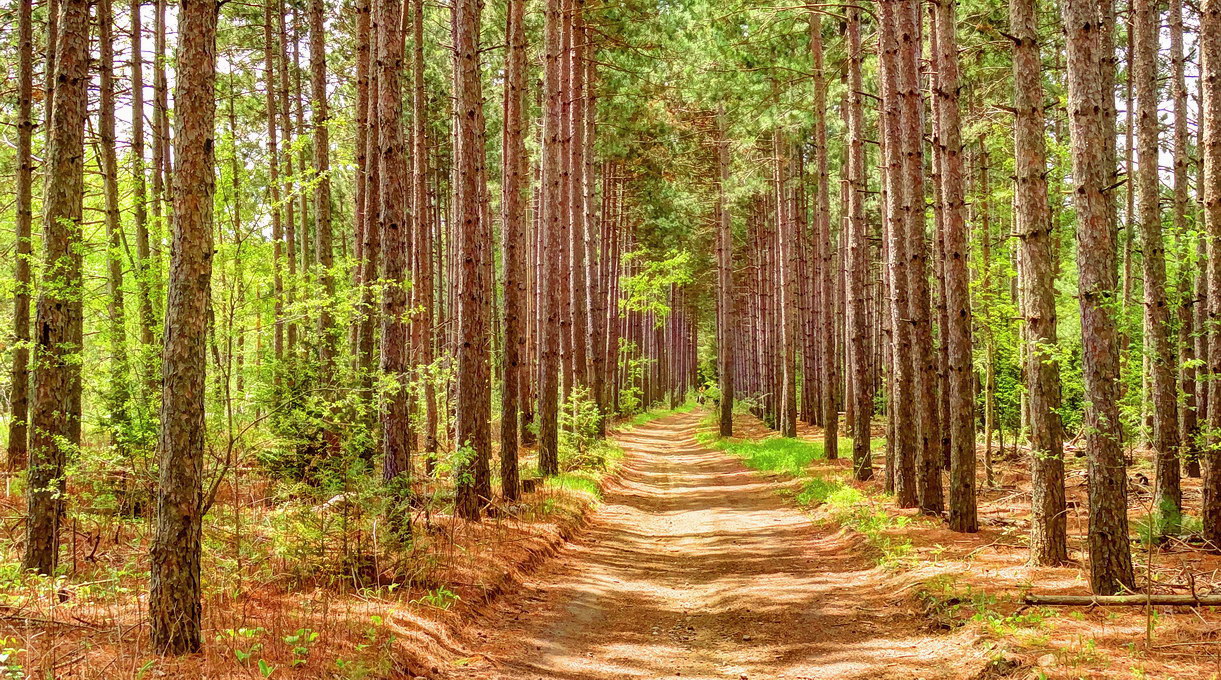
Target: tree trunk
[
  {"x": 858, "y": 319},
  {"x": 19, "y": 396},
  {"x": 551, "y": 240},
  {"x": 422, "y": 202},
  {"x": 513, "y": 219},
  {"x": 473, "y": 415},
  {"x": 392, "y": 216},
  {"x": 174, "y": 600},
  {"x": 55, "y": 409},
  {"x": 1090, "y": 69},
  {"x": 1145, "y": 44},
  {"x": 1210, "y": 72},
  {"x": 957, "y": 334},
  {"x": 323, "y": 250},
  {"x": 725, "y": 313},
  {"x": 1037, "y": 253},
  {"x": 822, "y": 234}
]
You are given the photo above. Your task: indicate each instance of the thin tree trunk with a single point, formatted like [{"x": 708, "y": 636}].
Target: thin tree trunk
[
  {"x": 551, "y": 240},
  {"x": 17, "y": 450},
  {"x": 323, "y": 249},
  {"x": 513, "y": 219},
  {"x": 1210, "y": 72},
  {"x": 1167, "y": 493},
  {"x": 822, "y": 236},
  {"x": 1037, "y": 253},
  {"x": 858, "y": 319},
  {"x": 392, "y": 215}
]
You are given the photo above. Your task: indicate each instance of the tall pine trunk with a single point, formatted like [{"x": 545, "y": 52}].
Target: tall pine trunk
[
  {"x": 473, "y": 415},
  {"x": 1092, "y": 125},
  {"x": 957, "y": 334},
  {"x": 55, "y": 408},
  {"x": 19, "y": 394},
  {"x": 513, "y": 219},
  {"x": 1036, "y": 253},
  {"x": 174, "y": 600}
]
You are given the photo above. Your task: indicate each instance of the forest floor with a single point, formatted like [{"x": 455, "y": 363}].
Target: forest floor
[
  {"x": 695, "y": 566},
  {"x": 673, "y": 555}
]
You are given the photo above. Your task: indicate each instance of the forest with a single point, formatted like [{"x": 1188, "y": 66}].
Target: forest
[{"x": 610, "y": 339}]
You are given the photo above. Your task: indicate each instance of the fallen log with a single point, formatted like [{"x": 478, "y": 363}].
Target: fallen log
[{"x": 1123, "y": 600}]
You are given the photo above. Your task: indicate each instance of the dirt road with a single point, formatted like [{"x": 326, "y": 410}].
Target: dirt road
[{"x": 694, "y": 567}]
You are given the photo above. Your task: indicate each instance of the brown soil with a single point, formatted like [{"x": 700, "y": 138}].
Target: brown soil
[{"x": 694, "y": 567}]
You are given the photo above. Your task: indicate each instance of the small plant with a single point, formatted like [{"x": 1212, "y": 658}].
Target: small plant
[
  {"x": 441, "y": 597},
  {"x": 10, "y": 666},
  {"x": 300, "y": 642},
  {"x": 246, "y": 638}
]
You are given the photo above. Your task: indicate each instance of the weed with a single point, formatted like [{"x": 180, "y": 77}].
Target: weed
[{"x": 441, "y": 597}]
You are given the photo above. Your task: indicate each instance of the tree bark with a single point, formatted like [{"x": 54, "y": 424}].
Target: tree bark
[
  {"x": 725, "y": 313},
  {"x": 17, "y": 451},
  {"x": 551, "y": 240},
  {"x": 392, "y": 218},
  {"x": 1210, "y": 73},
  {"x": 1145, "y": 44},
  {"x": 55, "y": 409},
  {"x": 473, "y": 415},
  {"x": 822, "y": 234},
  {"x": 1037, "y": 252},
  {"x": 1090, "y": 70},
  {"x": 961, "y": 379},
  {"x": 513, "y": 219},
  {"x": 174, "y": 600},
  {"x": 323, "y": 249},
  {"x": 858, "y": 318}
]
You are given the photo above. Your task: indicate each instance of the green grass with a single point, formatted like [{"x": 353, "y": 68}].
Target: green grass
[
  {"x": 656, "y": 414},
  {"x": 581, "y": 481},
  {"x": 776, "y": 454}
]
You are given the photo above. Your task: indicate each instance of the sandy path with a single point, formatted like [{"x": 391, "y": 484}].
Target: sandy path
[{"x": 694, "y": 567}]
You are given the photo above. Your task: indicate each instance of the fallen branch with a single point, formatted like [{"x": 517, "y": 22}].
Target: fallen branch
[{"x": 1124, "y": 600}]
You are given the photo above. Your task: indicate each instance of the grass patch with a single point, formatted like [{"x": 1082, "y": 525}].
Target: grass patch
[
  {"x": 584, "y": 482},
  {"x": 657, "y": 414},
  {"x": 778, "y": 454}
]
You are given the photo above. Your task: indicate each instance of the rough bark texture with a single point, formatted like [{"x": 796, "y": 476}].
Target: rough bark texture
[
  {"x": 424, "y": 287},
  {"x": 392, "y": 217},
  {"x": 174, "y": 599},
  {"x": 116, "y": 331},
  {"x": 1036, "y": 253},
  {"x": 1090, "y": 73},
  {"x": 474, "y": 408},
  {"x": 957, "y": 334},
  {"x": 1188, "y": 292},
  {"x": 550, "y": 242},
  {"x": 1168, "y": 495},
  {"x": 322, "y": 186},
  {"x": 725, "y": 293},
  {"x": 858, "y": 317},
  {"x": 513, "y": 220},
  {"x": 1210, "y": 57},
  {"x": 55, "y": 409},
  {"x": 902, "y": 413},
  {"x": 825, "y": 265},
  {"x": 19, "y": 395}
]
